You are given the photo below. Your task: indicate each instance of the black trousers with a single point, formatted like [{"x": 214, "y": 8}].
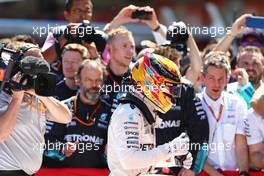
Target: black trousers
[{"x": 13, "y": 173}]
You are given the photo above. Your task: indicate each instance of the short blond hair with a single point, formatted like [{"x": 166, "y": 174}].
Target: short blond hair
[
  {"x": 78, "y": 48},
  {"x": 118, "y": 31}
]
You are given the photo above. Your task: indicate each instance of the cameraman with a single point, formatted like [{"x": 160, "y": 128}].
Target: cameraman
[{"x": 22, "y": 127}]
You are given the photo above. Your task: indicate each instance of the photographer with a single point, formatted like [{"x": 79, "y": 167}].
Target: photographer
[
  {"x": 181, "y": 39},
  {"x": 75, "y": 12},
  {"x": 78, "y": 14},
  {"x": 22, "y": 126}
]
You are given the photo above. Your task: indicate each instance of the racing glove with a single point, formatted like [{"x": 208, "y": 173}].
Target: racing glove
[
  {"x": 180, "y": 145},
  {"x": 184, "y": 161}
]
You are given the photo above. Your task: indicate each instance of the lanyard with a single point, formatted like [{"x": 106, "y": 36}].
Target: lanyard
[
  {"x": 219, "y": 115},
  {"x": 221, "y": 156},
  {"x": 212, "y": 112},
  {"x": 91, "y": 118}
]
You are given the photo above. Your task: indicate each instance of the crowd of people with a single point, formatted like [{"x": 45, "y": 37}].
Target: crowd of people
[{"x": 168, "y": 109}]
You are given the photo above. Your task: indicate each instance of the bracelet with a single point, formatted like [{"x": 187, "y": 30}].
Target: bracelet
[{"x": 156, "y": 28}]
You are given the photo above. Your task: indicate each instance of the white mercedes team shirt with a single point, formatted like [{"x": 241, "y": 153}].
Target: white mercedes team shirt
[
  {"x": 225, "y": 118},
  {"x": 131, "y": 143},
  {"x": 254, "y": 128}
]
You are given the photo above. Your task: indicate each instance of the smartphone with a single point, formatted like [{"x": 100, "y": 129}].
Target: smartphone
[
  {"x": 255, "y": 22},
  {"x": 141, "y": 14}
]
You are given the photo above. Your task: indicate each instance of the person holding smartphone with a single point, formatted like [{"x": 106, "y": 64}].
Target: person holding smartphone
[{"x": 134, "y": 14}]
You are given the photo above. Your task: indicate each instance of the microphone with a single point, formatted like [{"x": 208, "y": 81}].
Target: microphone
[
  {"x": 45, "y": 82},
  {"x": 33, "y": 65}
]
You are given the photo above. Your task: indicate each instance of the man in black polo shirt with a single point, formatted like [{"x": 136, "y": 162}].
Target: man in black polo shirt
[
  {"x": 82, "y": 141},
  {"x": 121, "y": 49},
  {"x": 187, "y": 116},
  {"x": 72, "y": 56}
]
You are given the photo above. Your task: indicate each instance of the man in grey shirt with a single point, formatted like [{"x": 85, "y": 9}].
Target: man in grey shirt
[{"x": 22, "y": 128}]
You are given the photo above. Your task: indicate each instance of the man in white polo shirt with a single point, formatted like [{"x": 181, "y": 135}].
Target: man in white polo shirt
[
  {"x": 255, "y": 129},
  {"x": 225, "y": 114}
]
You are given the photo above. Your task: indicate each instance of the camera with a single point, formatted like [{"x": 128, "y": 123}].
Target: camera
[
  {"x": 35, "y": 73},
  {"x": 178, "y": 36},
  {"x": 86, "y": 32},
  {"x": 141, "y": 14}
]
